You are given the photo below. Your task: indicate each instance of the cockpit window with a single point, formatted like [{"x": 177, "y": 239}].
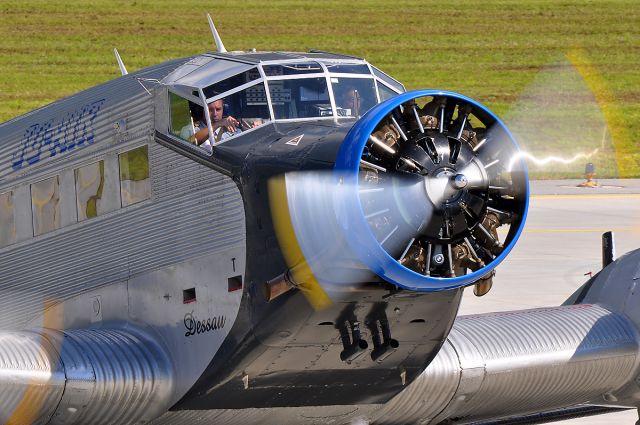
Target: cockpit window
[
  {"x": 354, "y": 96},
  {"x": 391, "y": 82},
  {"x": 300, "y": 98},
  {"x": 185, "y": 117},
  {"x": 231, "y": 83},
  {"x": 204, "y": 115},
  {"x": 292, "y": 69},
  {"x": 248, "y": 107},
  {"x": 340, "y": 68},
  {"x": 385, "y": 92},
  {"x": 229, "y": 116}
]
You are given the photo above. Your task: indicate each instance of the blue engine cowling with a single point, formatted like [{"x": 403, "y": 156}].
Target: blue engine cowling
[{"x": 464, "y": 196}]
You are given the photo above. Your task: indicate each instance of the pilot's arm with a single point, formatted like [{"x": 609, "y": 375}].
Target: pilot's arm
[
  {"x": 249, "y": 123},
  {"x": 201, "y": 134},
  {"x": 226, "y": 127}
]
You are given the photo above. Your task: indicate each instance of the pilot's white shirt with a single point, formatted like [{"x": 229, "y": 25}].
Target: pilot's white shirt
[{"x": 189, "y": 130}]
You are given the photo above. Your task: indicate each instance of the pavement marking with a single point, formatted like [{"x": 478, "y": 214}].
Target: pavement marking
[
  {"x": 599, "y": 196},
  {"x": 619, "y": 229}
]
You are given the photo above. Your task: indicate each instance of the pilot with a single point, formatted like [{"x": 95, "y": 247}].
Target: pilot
[
  {"x": 350, "y": 101},
  {"x": 223, "y": 127}
]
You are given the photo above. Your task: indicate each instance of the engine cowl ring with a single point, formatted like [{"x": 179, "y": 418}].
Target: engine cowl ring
[{"x": 467, "y": 208}]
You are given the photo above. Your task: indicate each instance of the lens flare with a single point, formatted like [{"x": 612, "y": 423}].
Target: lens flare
[{"x": 541, "y": 162}]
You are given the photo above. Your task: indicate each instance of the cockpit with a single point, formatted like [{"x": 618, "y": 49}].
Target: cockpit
[{"x": 214, "y": 98}]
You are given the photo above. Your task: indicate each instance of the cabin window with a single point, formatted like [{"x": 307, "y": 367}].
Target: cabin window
[
  {"x": 300, "y": 98},
  {"x": 45, "y": 204},
  {"x": 135, "y": 185},
  {"x": 89, "y": 189},
  {"x": 7, "y": 219},
  {"x": 354, "y": 96}
]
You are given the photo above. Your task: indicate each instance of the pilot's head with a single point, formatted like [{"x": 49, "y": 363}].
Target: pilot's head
[
  {"x": 350, "y": 99},
  {"x": 215, "y": 110}
]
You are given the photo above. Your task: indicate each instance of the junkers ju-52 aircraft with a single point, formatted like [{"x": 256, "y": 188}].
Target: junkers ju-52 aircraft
[{"x": 282, "y": 238}]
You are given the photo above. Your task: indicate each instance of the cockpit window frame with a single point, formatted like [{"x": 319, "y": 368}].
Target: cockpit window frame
[
  {"x": 389, "y": 81},
  {"x": 332, "y": 96},
  {"x": 375, "y": 74}
]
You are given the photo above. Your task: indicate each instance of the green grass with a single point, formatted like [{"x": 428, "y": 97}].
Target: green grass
[{"x": 562, "y": 71}]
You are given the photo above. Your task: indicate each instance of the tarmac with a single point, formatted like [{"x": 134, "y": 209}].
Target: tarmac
[{"x": 558, "y": 250}]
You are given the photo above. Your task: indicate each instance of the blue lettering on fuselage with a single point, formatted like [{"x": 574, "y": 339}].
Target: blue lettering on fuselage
[{"x": 75, "y": 129}]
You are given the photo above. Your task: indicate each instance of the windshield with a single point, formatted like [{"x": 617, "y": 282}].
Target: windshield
[
  {"x": 309, "y": 97},
  {"x": 300, "y": 98},
  {"x": 354, "y": 96},
  {"x": 240, "y": 102},
  {"x": 300, "y": 90}
]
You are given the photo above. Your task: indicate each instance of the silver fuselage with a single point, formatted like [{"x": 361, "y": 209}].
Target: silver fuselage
[{"x": 143, "y": 302}]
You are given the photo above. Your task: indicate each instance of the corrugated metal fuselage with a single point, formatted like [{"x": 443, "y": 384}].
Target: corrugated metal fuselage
[
  {"x": 136, "y": 260},
  {"x": 187, "y": 261}
]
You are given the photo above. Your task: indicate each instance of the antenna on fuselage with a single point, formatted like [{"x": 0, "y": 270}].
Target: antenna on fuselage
[
  {"x": 123, "y": 69},
  {"x": 216, "y": 36}
]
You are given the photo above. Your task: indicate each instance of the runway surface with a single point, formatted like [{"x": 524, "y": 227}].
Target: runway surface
[{"x": 560, "y": 246}]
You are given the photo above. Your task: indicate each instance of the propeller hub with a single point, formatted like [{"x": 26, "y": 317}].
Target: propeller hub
[
  {"x": 459, "y": 181},
  {"x": 445, "y": 187}
]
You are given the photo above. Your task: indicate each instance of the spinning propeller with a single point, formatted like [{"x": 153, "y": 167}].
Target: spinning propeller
[{"x": 420, "y": 197}]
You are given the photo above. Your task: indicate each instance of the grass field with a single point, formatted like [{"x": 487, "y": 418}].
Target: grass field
[{"x": 565, "y": 75}]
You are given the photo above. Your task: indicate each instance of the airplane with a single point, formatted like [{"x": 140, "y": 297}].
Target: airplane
[{"x": 283, "y": 238}]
